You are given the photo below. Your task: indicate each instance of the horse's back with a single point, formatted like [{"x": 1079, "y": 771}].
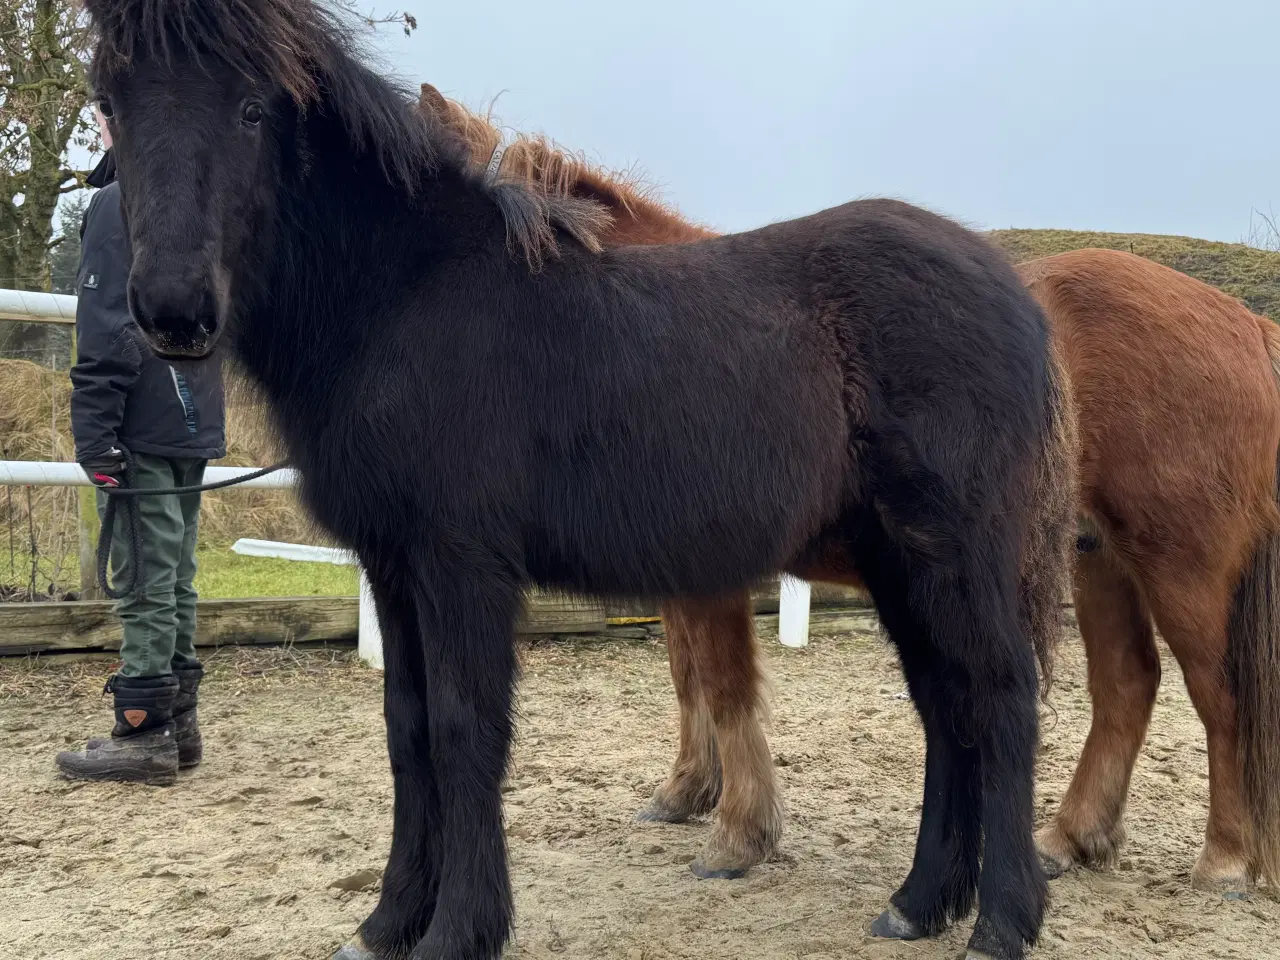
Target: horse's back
[
  {"x": 1153, "y": 337},
  {"x": 766, "y": 382},
  {"x": 887, "y": 275}
]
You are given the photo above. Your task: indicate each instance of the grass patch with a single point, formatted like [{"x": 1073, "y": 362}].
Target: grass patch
[
  {"x": 220, "y": 574},
  {"x": 223, "y": 574}
]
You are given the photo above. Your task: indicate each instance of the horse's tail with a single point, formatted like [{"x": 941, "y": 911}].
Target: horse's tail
[
  {"x": 1046, "y": 561},
  {"x": 1253, "y": 637}
]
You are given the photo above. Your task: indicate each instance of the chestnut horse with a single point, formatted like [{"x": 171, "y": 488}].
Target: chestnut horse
[
  {"x": 1179, "y": 423},
  {"x": 1175, "y": 386}
]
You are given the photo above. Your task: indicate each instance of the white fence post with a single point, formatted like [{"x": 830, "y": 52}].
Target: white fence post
[
  {"x": 369, "y": 636},
  {"x": 369, "y": 644},
  {"x": 793, "y": 611}
]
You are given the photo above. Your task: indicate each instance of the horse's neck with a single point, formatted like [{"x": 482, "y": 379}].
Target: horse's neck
[{"x": 342, "y": 249}]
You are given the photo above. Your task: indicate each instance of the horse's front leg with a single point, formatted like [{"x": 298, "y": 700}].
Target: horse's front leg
[
  {"x": 692, "y": 788},
  {"x": 411, "y": 878},
  {"x": 468, "y": 612}
]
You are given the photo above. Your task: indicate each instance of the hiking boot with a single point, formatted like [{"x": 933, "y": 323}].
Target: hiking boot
[
  {"x": 186, "y": 726},
  {"x": 142, "y": 747}
]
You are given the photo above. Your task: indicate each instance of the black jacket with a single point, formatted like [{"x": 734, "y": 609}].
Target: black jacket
[{"x": 122, "y": 393}]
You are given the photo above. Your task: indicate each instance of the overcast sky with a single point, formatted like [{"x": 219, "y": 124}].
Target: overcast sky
[{"x": 1154, "y": 116}]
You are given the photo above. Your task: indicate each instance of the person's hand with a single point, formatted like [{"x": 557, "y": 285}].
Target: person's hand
[{"x": 105, "y": 470}]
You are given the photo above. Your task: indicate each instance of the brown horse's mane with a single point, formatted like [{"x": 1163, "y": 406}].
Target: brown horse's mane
[
  {"x": 312, "y": 53},
  {"x": 638, "y": 214}
]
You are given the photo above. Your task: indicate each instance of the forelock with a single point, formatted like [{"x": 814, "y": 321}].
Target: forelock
[{"x": 282, "y": 42}]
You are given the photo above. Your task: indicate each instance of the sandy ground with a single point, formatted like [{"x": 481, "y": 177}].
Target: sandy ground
[{"x": 248, "y": 856}]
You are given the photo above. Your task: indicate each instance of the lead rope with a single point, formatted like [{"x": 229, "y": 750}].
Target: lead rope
[
  {"x": 129, "y": 492},
  {"x": 108, "y": 527}
]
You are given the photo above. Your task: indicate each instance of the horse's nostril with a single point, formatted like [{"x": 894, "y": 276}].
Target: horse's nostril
[{"x": 208, "y": 325}]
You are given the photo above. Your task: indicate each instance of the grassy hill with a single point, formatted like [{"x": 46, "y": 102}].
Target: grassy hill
[{"x": 1248, "y": 274}]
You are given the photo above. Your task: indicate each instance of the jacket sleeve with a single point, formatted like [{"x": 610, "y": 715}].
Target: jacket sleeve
[{"x": 107, "y": 357}]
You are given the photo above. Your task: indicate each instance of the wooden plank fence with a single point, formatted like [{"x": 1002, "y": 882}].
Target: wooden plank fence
[{"x": 27, "y": 628}]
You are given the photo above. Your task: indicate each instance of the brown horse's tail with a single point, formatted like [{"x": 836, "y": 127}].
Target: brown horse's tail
[
  {"x": 1253, "y": 636},
  {"x": 1046, "y": 562}
]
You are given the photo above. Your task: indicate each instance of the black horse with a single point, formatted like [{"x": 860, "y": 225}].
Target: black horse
[{"x": 479, "y": 398}]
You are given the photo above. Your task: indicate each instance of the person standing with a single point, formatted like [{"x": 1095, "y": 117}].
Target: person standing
[{"x": 126, "y": 403}]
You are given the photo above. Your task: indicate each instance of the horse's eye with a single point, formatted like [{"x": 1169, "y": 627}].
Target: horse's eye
[
  {"x": 252, "y": 113},
  {"x": 105, "y": 108}
]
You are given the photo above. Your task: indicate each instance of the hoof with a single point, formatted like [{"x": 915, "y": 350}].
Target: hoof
[
  {"x": 892, "y": 925},
  {"x": 703, "y": 872},
  {"x": 1230, "y": 886},
  {"x": 656, "y": 814},
  {"x": 355, "y": 950},
  {"x": 1053, "y": 867}
]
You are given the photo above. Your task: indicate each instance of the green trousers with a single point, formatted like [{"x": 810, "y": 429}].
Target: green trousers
[{"x": 159, "y": 618}]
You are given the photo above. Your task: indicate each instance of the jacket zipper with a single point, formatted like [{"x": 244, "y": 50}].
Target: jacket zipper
[{"x": 183, "y": 391}]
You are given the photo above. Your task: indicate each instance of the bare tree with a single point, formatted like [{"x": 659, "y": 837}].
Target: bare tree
[
  {"x": 44, "y": 50},
  {"x": 407, "y": 21},
  {"x": 1264, "y": 230},
  {"x": 44, "y": 45}
]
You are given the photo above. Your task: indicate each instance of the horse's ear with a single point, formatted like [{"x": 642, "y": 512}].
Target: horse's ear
[{"x": 431, "y": 100}]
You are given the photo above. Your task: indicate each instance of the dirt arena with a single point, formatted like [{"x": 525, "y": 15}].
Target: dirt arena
[{"x": 273, "y": 847}]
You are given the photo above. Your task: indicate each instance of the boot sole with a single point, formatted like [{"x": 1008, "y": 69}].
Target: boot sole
[
  {"x": 119, "y": 771},
  {"x": 188, "y": 755}
]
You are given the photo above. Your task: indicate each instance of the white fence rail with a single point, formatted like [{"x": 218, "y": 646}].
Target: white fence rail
[
  {"x": 793, "y": 597},
  {"x": 369, "y": 636},
  {"x": 52, "y": 474},
  {"x": 30, "y": 307},
  {"x": 293, "y": 551}
]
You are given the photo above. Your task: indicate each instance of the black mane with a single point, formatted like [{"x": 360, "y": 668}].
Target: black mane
[{"x": 311, "y": 52}]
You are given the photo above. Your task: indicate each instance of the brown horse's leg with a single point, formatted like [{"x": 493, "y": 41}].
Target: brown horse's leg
[
  {"x": 693, "y": 787},
  {"x": 720, "y": 638},
  {"x": 1192, "y": 615},
  {"x": 1124, "y": 675}
]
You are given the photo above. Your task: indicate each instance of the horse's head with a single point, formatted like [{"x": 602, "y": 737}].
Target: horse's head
[
  {"x": 199, "y": 120},
  {"x": 226, "y": 115}
]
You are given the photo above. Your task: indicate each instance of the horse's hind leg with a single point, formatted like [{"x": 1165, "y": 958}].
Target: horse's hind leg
[
  {"x": 943, "y": 880},
  {"x": 719, "y": 639},
  {"x": 1124, "y": 675},
  {"x": 972, "y": 674},
  {"x": 693, "y": 787},
  {"x": 1192, "y": 613}
]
